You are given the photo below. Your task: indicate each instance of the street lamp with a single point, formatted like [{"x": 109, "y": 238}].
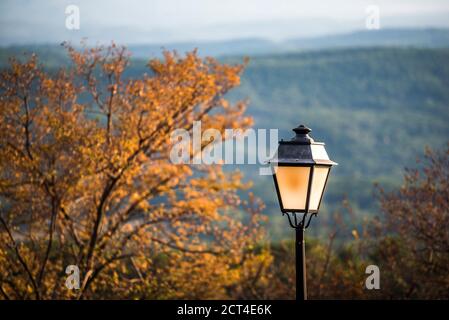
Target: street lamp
[{"x": 300, "y": 171}]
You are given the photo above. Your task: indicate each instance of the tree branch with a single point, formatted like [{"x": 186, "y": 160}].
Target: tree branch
[{"x": 21, "y": 260}]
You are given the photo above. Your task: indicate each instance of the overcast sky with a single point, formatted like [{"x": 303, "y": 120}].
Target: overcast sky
[{"x": 162, "y": 21}]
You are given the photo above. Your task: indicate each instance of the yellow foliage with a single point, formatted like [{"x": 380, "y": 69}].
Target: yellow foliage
[{"x": 91, "y": 184}]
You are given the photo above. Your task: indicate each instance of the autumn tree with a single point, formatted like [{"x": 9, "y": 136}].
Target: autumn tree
[
  {"x": 415, "y": 252},
  {"x": 86, "y": 180}
]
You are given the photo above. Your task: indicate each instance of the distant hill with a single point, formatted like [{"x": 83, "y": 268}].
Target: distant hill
[
  {"x": 376, "y": 108},
  {"x": 384, "y": 100},
  {"x": 252, "y": 46},
  {"x": 50, "y": 55},
  {"x": 423, "y": 38},
  {"x": 420, "y": 38}
]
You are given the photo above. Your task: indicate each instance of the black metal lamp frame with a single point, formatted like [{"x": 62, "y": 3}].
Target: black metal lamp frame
[{"x": 297, "y": 153}]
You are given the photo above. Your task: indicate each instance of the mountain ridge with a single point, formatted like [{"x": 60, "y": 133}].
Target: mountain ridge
[{"x": 397, "y": 37}]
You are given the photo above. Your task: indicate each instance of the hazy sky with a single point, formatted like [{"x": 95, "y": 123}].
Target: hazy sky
[{"x": 140, "y": 21}]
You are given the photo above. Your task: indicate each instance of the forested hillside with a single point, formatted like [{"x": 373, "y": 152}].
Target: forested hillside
[{"x": 376, "y": 108}]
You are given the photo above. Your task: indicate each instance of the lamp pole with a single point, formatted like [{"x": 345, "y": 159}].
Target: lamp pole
[
  {"x": 300, "y": 251},
  {"x": 301, "y": 167},
  {"x": 301, "y": 278}
]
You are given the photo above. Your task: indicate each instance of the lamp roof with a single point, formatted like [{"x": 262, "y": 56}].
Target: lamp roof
[{"x": 301, "y": 150}]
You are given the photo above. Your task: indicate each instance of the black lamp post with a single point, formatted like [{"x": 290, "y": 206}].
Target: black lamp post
[{"x": 300, "y": 171}]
